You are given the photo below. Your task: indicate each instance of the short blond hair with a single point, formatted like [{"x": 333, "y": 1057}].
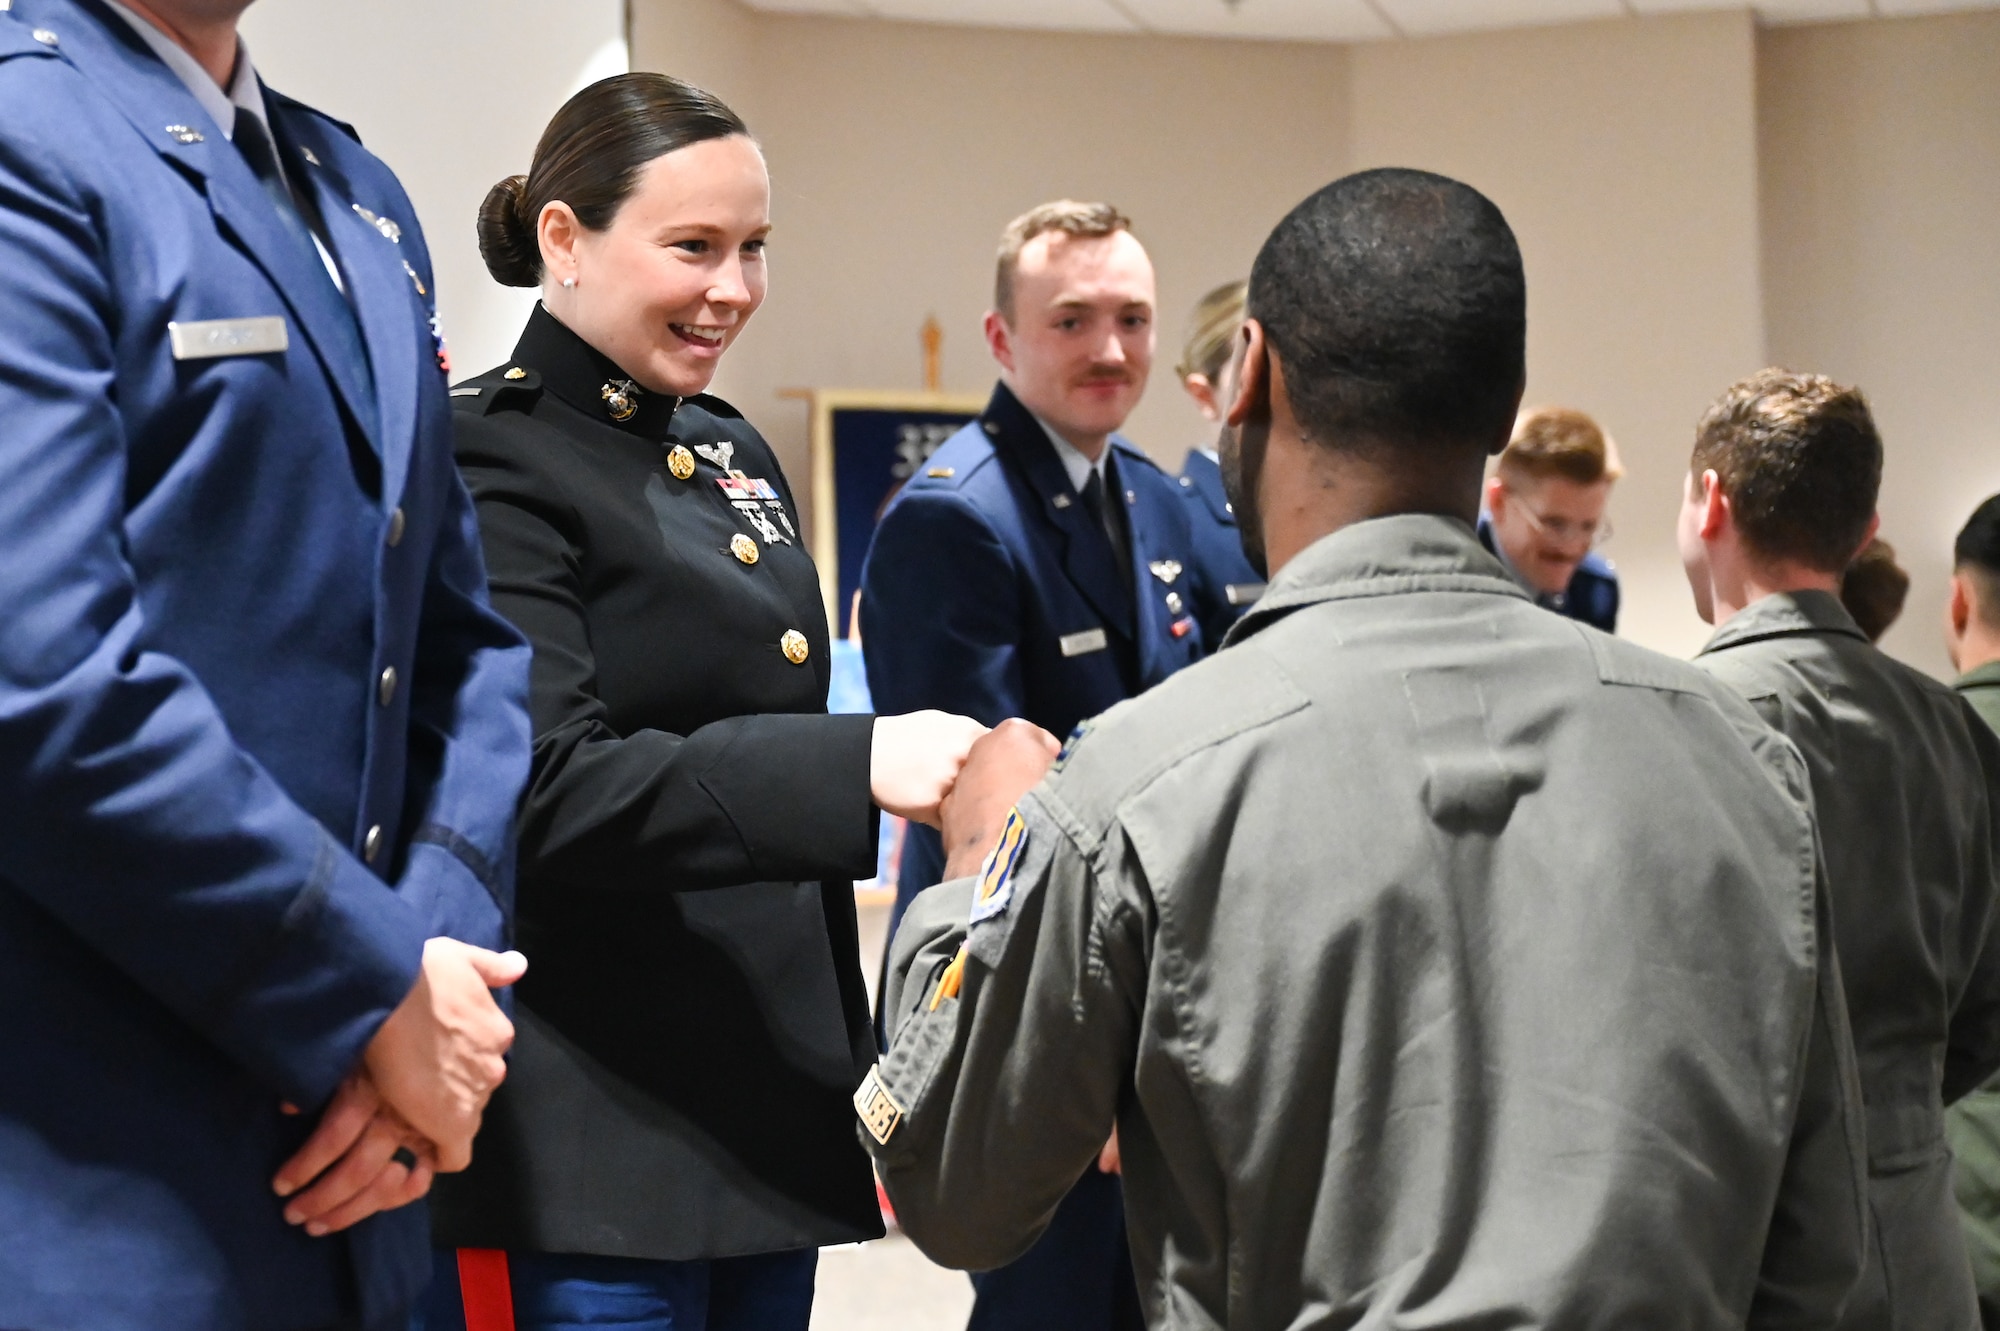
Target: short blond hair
[
  {"x": 1560, "y": 441},
  {"x": 1083, "y": 220},
  {"x": 1211, "y": 336}
]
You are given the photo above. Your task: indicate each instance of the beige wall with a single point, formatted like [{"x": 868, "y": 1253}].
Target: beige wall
[
  {"x": 1624, "y": 155},
  {"x": 1881, "y": 205},
  {"x": 1630, "y": 155}
]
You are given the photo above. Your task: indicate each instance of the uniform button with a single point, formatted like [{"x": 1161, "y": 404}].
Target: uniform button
[
  {"x": 45, "y": 37},
  {"x": 795, "y": 646},
  {"x": 386, "y": 690},
  {"x": 371, "y": 845},
  {"x": 395, "y": 537},
  {"x": 743, "y": 548},
  {"x": 681, "y": 463}
]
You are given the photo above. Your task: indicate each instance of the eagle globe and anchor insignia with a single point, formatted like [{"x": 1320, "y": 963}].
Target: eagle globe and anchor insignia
[{"x": 621, "y": 398}]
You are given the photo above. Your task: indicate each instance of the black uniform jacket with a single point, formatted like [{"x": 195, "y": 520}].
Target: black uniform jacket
[{"x": 693, "y": 1020}]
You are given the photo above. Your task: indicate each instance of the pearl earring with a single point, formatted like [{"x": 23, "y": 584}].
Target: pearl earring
[{"x": 569, "y": 281}]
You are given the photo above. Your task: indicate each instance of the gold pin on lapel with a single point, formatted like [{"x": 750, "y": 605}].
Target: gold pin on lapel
[
  {"x": 621, "y": 399},
  {"x": 515, "y": 372}
]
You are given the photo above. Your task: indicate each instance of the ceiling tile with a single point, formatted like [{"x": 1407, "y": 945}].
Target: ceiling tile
[
  {"x": 1899, "y": 8},
  {"x": 1420, "y": 18},
  {"x": 1684, "y": 6},
  {"x": 849, "y": 8},
  {"x": 1780, "y": 12},
  {"x": 1296, "y": 20},
  {"x": 1072, "y": 15}
]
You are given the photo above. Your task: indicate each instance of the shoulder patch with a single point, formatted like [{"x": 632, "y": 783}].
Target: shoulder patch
[
  {"x": 512, "y": 388},
  {"x": 996, "y": 879}
]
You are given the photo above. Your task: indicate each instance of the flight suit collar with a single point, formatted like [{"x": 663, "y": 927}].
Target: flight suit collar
[
  {"x": 1408, "y": 552},
  {"x": 1784, "y": 614},
  {"x": 590, "y": 381},
  {"x": 1979, "y": 677},
  {"x": 1017, "y": 435}
]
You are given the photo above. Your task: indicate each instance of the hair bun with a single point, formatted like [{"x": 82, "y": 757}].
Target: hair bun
[{"x": 507, "y": 238}]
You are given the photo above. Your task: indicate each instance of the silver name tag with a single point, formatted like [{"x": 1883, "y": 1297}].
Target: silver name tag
[
  {"x": 1080, "y": 644},
  {"x": 205, "y": 339},
  {"x": 1243, "y": 593}
]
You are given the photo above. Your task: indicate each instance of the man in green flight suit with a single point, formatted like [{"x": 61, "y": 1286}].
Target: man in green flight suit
[
  {"x": 1972, "y": 634},
  {"x": 1391, "y": 1034},
  {"x": 1779, "y": 497}
]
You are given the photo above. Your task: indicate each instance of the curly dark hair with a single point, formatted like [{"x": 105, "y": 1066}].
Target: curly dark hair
[{"x": 1800, "y": 461}]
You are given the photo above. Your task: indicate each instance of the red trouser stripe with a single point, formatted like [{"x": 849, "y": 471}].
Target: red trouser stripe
[{"x": 483, "y": 1285}]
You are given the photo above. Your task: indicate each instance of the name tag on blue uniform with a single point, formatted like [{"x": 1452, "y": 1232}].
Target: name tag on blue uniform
[
  {"x": 206, "y": 339},
  {"x": 1080, "y": 644}
]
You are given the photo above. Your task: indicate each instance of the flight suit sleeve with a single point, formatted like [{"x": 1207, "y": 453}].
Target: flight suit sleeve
[
  {"x": 1814, "y": 1248},
  {"x": 1972, "y": 1048},
  {"x": 940, "y": 612},
  {"x": 132, "y": 815},
  {"x": 1011, "y": 1039},
  {"x": 770, "y": 798}
]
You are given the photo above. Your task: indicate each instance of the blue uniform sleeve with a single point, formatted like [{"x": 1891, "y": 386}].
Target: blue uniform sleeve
[
  {"x": 469, "y": 741},
  {"x": 941, "y": 612},
  {"x": 132, "y": 815}
]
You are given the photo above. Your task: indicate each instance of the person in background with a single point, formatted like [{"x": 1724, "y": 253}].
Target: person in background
[
  {"x": 1972, "y": 1126},
  {"x": 1544, "y": 513},
  {"x": 1779, "y": 497},
  {"x": 1042, "y": 567},
  {"x": 672, "y": 1147},
  {"x": 1874, "y": 588},
  {"x": 1226, "y": 584},
  {"x": 261, "y": 736},
  {"x": 1457, "y": 969}
]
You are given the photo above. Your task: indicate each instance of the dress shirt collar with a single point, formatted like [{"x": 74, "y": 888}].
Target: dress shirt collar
[
  {"x": 1074, "y": 462},
  {"x": 244, "y": 94}
]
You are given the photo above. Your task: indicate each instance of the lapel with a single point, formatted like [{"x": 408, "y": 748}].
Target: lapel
[
  {"x": 1142, "y": 524},
  {"x": 1084, "y": 548},
  {"x": 380, "y": 284},
  {"x": 152, "y": 97}
]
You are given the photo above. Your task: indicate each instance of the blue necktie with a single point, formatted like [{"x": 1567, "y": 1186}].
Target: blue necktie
[{"x": 254, "y": 142}]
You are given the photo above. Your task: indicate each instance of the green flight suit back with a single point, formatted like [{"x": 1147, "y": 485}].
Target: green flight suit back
[
  {"x": 1906, "y": 788},
  {"x": 1973, "y": 1124}
]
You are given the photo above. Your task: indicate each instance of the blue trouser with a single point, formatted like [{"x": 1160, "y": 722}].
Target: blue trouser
[
  {"x": 567, "y": 1292},
  {"x": 1077, "y": 1277}
]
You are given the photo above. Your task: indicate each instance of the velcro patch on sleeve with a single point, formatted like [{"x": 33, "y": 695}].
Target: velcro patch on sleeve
[
  {"x": 879, "y": 1112},
  {"x": 996, "y": 879}
]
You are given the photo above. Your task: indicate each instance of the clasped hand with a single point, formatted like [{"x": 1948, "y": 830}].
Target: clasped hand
[{"x": 421, "y": 1090}]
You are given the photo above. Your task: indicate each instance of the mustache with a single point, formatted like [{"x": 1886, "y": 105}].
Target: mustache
[{"x": 1107, "y": 376}]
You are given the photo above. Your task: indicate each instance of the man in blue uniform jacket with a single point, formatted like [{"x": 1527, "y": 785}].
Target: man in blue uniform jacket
[
  {"x": 1544, "y": 513},
  {"x": 260, "y": 736},
  {"x": 1227, "y": 582},
  {"x": 1041, "y": 567}
]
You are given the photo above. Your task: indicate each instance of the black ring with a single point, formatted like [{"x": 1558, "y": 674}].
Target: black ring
[{"x": 405, "y": 1157}]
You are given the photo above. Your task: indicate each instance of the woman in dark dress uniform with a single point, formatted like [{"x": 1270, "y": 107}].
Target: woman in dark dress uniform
[{"x": 675, "y": 1138}]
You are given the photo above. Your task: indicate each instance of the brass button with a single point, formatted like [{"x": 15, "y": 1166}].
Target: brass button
[
  {"x": 681, "y": 463},
  {"x": 515, "y": 372},
  {"x": 743, "y": 548},
  {"x": 395, "y": 536},
  {"x": 795, "y": 646},
  {"x": 386, "y": 690},
  {"x": 371, "y": 845}
]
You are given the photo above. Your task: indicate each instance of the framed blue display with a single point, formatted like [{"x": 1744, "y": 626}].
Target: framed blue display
[{"x": 864, "y": 446}]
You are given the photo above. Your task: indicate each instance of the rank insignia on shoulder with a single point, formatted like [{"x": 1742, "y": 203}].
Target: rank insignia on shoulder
[
  {"x": 879, "y": 1112},
  {"x": 1166, "y": 570},
  {"x": 996, "y": 879},
  {"x": 1069, "y": 745},
  {"x": 942, "y": 473}
]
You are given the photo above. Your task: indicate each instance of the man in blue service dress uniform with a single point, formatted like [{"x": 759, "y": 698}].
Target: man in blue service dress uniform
[
  {"x": 1041, "y": 567},
  {"x": 1544, "y": 513},
  {"x": 260, "y": 736}
]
